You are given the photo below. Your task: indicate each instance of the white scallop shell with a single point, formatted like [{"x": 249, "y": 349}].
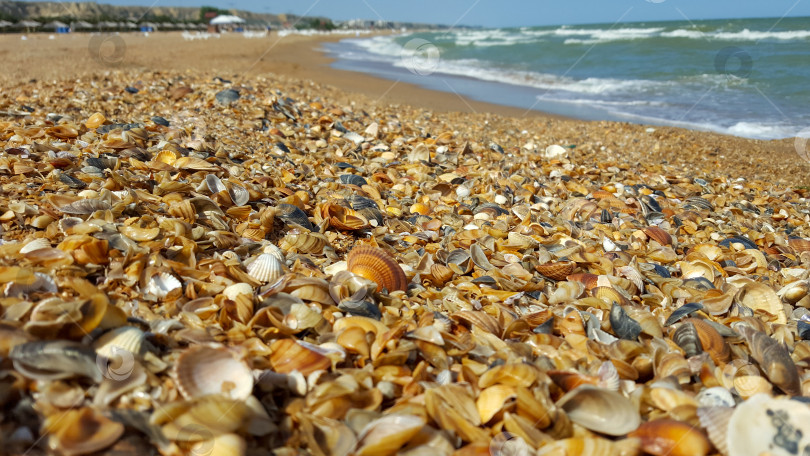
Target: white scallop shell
[
  {"x": 162, "y": 284},
  {"x": 203, "y": 370},
  {"x": 265, "y": 268},
  {"x": 128, "y": 338},
  {"x": 763, "y": 424},
  {"x": 36, "y": 244},
  {"x": 274, "y": 250}
]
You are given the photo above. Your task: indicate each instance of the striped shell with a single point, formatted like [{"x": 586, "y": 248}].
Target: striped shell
[
  {"x": 265, "y": 268},
  {"x": 557, "y": 270},
  {"x": 658, "y": 235},
  {"x": 375, "y": 264},
  {"x": 202, "y": 370}
]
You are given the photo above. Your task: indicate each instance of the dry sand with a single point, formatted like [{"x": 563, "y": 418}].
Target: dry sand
[{"x": 295, "y": 56}]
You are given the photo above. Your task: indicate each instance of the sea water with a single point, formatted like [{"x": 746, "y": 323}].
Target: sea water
[{"x": 744, "y": 77}]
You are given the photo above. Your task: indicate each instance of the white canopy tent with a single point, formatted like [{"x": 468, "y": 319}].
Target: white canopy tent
[{"x": 226, "y": 19}]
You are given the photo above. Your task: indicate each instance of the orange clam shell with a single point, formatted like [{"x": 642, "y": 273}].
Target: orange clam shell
[
  {"x": 558, "y": 270},
  {"x": 585, "y": 278},
  {"x": 670, "y": 437},
  {"x": 288, "y": 356},
  {"x": 658, "y": 235},
  {"x": 377, "y": 265},
  {"x": 712, "y": 342}
]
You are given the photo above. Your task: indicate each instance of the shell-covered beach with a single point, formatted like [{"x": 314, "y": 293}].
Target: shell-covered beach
[{"x": 200, "y": 260}]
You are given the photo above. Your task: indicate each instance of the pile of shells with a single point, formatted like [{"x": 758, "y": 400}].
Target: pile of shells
[{"x": 210, "y": 268}]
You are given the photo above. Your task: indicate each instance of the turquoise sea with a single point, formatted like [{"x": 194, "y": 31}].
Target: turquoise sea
[{"x": 745, "y": 77}]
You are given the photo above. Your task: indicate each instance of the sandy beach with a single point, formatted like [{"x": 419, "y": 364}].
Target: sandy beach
[
  {"x": 227, "y": 248},
  {"x": 298, "y": 57}
]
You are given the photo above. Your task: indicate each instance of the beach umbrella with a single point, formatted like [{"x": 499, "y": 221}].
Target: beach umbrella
[
  {"x": 55, "y": 24},
  {"x": 132, "y": 25},
  {"x": 5, "y": 24},
  {"x": 29, "y": 24},
  {"x": 80, "y": 25}
]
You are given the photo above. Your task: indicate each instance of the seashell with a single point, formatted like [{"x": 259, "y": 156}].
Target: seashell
[
  {"x": 668, "y": 399},
  {"x": 774, "y": 359},
  {"x": 600, "y": 410},
  {"x": 354, "y": 340},
  {"x": 139, "y": 234},
  {"x": 559, "y": 270},
  {"x": 570, "y": 380},
  {"x": 686, "y": 337},
  {"x": 657, "y": 234},
  {"x": 202, "y": 418},
  {"x": 716, "y": 396},
  {"x": 387, "y": 434},
  {"x": 589, "y": 446},
  {"x": 715, "y": 420},
  {"x": 84, "y": 207},
  {"x": 293, "y": 215},
  {"x": 41, "y": 282},
  {"x": 765, "y": 425},
  {"x": 128, "y": 338},
  {"x": 232, "y": 292},
  {"x": 53, "y": 360},
  {"x": 303, "y": 242},
  {"x": 202, "y": 370},
  {"x": 440, "y": 274},
  {"x": 799, "y": 244},
  {"x": 623, "y": 326},
  {"x": 376, "y": 265},
  {"x": 81, "y": 431},
  {"x": 794, "y": 291},
  {"x": 684, "y": 310},
  {"x": 452, "y": 407},
  {"x": 343, "y": 218},
  {"x": 750, "y": 385},
  {"x": 711, "y": 341},
  {"x": 194, "y": 164},
  {"x": 36, "y": 244},
  {"x": 670, "y": 437},
  {"x": 492, "y": 399},
  {"x": 239, "y": 195},
  {"x": 759, "y": 296},
  {"x": 609, "y": 295},
  {"x": 265, "y": 268},
  {"x": 288, "y": 356},
  {"x": 479, "y": 257},
  {"x": 162, "y": 285},
  {"x": 459, "y": 261},
  {"x": 353, "y": 179},
  {"x": 214, "y": 184}
]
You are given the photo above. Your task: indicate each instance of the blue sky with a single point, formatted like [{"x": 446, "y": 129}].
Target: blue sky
[{"x": 502, "y": 13}]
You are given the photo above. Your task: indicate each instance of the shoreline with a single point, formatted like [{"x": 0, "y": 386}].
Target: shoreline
[{"x": 300, "y": 58}]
